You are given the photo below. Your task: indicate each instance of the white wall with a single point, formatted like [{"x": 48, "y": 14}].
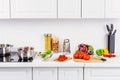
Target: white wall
[{"x": 30, "y": 32}]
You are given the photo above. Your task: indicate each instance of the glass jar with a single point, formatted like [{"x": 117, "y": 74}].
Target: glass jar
[
  {"x": 55, "y": 45},
  {"x": 48, "y": 41}
]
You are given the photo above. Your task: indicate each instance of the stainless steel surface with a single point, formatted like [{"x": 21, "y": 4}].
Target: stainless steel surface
[{"x": 66, "y": 46}]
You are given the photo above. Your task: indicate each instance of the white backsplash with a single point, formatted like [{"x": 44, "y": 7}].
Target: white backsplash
[{"x": 30, "y": 32}]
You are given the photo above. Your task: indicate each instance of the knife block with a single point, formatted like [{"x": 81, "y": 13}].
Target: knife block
[{"x": 111, "y": 43}]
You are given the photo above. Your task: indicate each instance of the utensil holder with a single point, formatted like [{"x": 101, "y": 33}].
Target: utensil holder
[{"x": 111, "y": 43}]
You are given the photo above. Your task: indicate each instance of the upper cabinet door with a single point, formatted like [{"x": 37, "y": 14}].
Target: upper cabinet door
[
  {"x": 33, "y": 8},
  {"x": 112, "y": 9},
  {"x": 4, "y": 9},
  {"x": 69, "y": 8},
  {"x": 93, "y": 8}
]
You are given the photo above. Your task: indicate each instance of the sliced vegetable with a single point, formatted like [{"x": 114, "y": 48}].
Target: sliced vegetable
[
  {"x": 46, "y": 55},
  {"x": 90, "y": 50},
  {"x": 62, "y": 58}
]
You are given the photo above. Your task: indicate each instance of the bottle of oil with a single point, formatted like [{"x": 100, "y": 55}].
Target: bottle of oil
[{"x": 48, "y": 41}]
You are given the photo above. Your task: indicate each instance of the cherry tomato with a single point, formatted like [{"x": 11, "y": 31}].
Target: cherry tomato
[
  {"x": 81, "y": 56},
  {"x": 86, "y": 57},
  {"x": 76, "y": 55},
  {"x": 62, "y": 58}
]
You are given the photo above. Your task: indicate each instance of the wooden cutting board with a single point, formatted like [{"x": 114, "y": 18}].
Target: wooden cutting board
[
  {"x": 92, "y": 60},
  {"x": 69, "y": 58}
]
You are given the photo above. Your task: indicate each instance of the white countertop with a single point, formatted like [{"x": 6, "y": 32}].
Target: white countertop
[
  {"x": 38, "y": 62},
  {"x": 112, "y": 62}
]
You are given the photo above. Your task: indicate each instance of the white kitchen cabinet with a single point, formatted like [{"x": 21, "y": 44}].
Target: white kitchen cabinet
[
  {"x": 34, "y": 8},
  {"x": 93, "y": 8},
  {"x": 70, "y": 74},
  {"x": 69, "y": 8},
  {"x": 44, "y": 73},
  {"x": 112, "y": 9},
  {"x": 15, "y": 74},
  {"x": 102, "y": 73},
  {"x": 4, "y": 9}
]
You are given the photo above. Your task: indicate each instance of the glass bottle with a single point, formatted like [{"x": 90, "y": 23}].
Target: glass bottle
[{"x": 48, "y": 41}]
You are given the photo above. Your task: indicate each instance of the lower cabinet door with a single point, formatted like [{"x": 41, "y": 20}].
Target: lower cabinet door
[
  {"x": 15, "y": 74},
  {"x": 102, "y": 74},
  {"x": 70, "y": 74},
  {"x": 44, "y": 73}
]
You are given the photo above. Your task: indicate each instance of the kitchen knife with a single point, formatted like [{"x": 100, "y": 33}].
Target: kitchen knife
[{"x": 102, "y": 59}]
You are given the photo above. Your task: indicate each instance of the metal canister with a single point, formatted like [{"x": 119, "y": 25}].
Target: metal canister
[
  {"x": 25, "y": 54},
  {"x": 20, "y": 50},
  {"x": 31, "y": 54},
  {"x": 2, "y": 52},
  {"x": 8, "y": 52},
  {"x": 66, "y": 46},
  {"x": 48, "y": 41}
]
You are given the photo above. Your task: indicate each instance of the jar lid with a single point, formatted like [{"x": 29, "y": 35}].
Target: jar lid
[
  {"x": 49, "y": 35},
  {"x": 2, "y": 45}
]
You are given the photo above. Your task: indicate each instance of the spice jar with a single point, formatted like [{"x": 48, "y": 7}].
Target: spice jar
[
  {"x": 55, "y": 45},
  {"x": 48, "y": 41},
  {"x": 25, "y": 54}
]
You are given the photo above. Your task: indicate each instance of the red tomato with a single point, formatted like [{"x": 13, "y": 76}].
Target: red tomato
[
  {"x": 76, "y": 55},
  {"x": 86, "y": 57},
  {"x": 81, "y": 56},
  {"x": 62, "y": 58}
]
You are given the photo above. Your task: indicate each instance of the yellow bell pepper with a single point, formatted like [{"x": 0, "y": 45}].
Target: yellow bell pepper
[{"x": 105, "y": 51}]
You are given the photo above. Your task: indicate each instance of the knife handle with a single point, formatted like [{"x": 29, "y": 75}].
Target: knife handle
[{"x": 103, "y": 59}]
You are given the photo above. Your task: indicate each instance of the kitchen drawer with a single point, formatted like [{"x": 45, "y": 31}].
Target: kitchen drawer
[
  {"x": 15, "y": 73},
  {"x": 70, "y": 73},
  {"x": 44, "y": 73},
  {"x": 102, "y": 73}
]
